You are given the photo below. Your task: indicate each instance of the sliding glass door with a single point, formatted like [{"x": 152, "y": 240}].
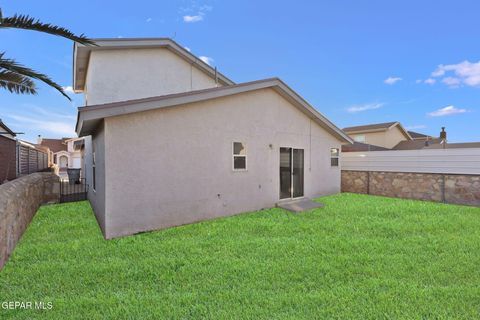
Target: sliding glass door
[{"x": 291, "y": 173}]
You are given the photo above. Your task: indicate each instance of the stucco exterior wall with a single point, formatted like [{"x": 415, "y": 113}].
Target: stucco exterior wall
[
  {"x": 96, "y": 193},
  {"x": 173, "y": 166},
  {"x": 386, "y": 139},
  {"x": 118, "y": 75},
  {"x": 393, "y": 137},
  {"x": 375, "y": 138}
]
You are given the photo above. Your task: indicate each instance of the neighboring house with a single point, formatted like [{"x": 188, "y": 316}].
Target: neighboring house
[
  {"x": 391, "y": 136},
  {"x": 6, "y": 131},
  {"x": 385, "y": 135},
  {"x": 420, "y": 136},
  {"x": 65, "y": 152},
  {"x": 172, "y": 141},
  {"x": 8, "y": 169},
  {"x": 358, "y": 146}
]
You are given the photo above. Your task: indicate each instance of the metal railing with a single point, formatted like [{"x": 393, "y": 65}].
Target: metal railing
[{"x": 73, "y": 190}]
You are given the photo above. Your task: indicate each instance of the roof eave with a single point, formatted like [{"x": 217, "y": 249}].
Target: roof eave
[
  {"x": 133, "y": 43},
  {"x": 404, "y": 131},
  {"x": 365, "y": 131},
  {"x": 88, "y": 117}
]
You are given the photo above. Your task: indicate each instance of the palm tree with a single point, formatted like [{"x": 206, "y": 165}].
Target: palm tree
[{"x": 17, "y": 78}]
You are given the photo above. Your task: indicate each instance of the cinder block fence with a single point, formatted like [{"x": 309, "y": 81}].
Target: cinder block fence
[
  {"x": 19, "y": 201},
  {"x": 443, "y": 175}
]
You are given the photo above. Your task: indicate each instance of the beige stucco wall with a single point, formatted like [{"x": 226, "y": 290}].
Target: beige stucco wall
[
  {"x": 393, "y": 137},
  {"x": 118, "y": 75},
  {"x": 174, "y": 166},
  {"x": 386, "y": 139},
  {"x": 96, "y": 194}
]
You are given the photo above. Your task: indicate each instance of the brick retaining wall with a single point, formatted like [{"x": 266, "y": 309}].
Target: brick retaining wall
[
  {"x": 449, "y": 188},
  {"x": 19, "y": 201}
]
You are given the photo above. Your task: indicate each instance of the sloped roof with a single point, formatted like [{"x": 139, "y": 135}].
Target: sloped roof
[
  {"x": 55, "y": 145},
  {"x": 7, "y": 129},
  {"x": 417, "y": 135},
  {"x": 358, "y": 146},
  {"x": 455, "y": 145},
  {"x": 81, "y": 56},
  {"x": 377, "y": 127},
  {"x": 416, "y": 144},
  {"x": 90, "y": 116},
  {"x": 370, "y": 127}
]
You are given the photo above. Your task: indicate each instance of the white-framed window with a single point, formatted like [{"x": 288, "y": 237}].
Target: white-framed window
[
  {"x": 359, "y": 138},
  {"x": 94, "y": 173},
  {"x": 334, "y": 157},
  {"x": 239, "y": 157}
]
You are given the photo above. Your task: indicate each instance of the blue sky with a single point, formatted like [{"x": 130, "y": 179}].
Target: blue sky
[{"x": 357, "y": 62}]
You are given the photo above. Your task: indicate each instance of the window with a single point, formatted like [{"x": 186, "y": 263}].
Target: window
[
  {"x": 94, "y": 172},
  {"x": 360, "y": 138},
  {"x": 334, "y": 154},
  {"x": 239, "y": 156}
]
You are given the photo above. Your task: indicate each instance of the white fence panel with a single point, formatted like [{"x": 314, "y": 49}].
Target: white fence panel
[{"x": 455, "y": 161}]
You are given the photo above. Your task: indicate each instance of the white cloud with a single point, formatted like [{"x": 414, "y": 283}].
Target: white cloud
[
  {"x": 68, "y": 89},
  {"x": 416, "y": 127},
  {"x": 205, "y": 8},
  {"x": 55, "y": 127},
  {"x": 466, "y": 73},
  {"x": 206, "y": 59},
  {"x": 192, "y": 19},
  {"x": 452, "y": 82},
  {"x": 195, "y": 12},
  {"x": 49, "y": 114},
  {"x": 447, "y": 111},
  {"x": 148, "y": 19},
  {"x": 364, "y": 107},
  {"x": 188, "y": 49},
  {"x": 430, "y": 81},
  {"x": 392, "y": 80},
  {"x": 438, "y": 72}
]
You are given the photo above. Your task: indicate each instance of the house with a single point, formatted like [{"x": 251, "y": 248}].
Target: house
[
  {"x": 391, "y": 136},
  {"x": 386, "y": 135},
  {"x": 170, "y": 140},
  {"x": 8, "y": 169},
  {"x": 64, "y": 153},
  {"x": 419, "y": 136}
]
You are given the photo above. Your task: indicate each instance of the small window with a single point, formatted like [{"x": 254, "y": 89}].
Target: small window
[
  {"x": 94, "y": 173},
  {"x": 239, "y": 156},
  {"x": 360, "y": 138},
  {"x": 334, "y": 155}
]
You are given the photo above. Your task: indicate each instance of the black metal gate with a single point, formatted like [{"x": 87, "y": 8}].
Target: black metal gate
[{"x": 75, "y": 191}]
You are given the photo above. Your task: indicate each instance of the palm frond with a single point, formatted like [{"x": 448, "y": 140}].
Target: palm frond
[
  {"x": 16, "y": 83},
  {"x": 26, "y": 22},
  {"x": 13, "y": 66}
]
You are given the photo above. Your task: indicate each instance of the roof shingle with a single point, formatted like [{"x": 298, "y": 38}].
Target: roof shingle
[{"x": 375, "y": 126}]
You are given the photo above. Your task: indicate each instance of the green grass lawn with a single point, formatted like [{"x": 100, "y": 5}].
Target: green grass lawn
[{"x": 359, "y": 257}]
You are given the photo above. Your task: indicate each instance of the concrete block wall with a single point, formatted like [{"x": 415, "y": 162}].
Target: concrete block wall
[
  {"x": 19, "y": 201},
  {"x": 449, "y": 188}
]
